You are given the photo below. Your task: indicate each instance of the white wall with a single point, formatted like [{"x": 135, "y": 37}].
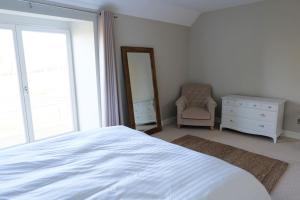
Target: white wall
[
  {"x": 170, "y": 43},
  {"x": 252, "y": 50}
]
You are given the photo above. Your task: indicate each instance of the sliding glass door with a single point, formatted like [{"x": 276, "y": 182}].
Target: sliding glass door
[
  {"x": 42, "y": 70},
  {"x": 48, "y": 74},
  {"x": 12, "y": 127}
]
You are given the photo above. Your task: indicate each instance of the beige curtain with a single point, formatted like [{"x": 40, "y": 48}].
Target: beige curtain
[{"x": 110, "y": 109}]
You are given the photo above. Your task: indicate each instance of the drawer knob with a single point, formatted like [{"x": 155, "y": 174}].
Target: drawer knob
[
  {"x": 231, "y": 120},
  {"x": 262, "y": 126},
  {"x": 263, "y": 115},
  {"x": 269, "y": 107},
  {"x": 254, "y": 105}
]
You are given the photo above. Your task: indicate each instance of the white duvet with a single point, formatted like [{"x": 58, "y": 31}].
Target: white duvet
[{"x": 119, "y": 163}]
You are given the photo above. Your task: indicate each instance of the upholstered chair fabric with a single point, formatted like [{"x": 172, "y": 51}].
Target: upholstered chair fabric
[{"x": 196, "y": 107}]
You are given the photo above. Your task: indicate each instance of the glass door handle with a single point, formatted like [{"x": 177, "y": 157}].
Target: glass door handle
[{"x": 26, "y": 89}]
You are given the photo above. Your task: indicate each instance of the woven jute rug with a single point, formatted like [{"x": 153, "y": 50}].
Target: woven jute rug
[{"x": 267, "y": 170}]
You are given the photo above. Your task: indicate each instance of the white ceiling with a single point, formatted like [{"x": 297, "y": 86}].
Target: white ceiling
[{"x": 183, "y": 12}]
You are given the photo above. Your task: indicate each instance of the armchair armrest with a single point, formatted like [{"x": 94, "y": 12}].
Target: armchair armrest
[
  {"x": 211, "y": 105},
  {"x": 181, "y": 104}
]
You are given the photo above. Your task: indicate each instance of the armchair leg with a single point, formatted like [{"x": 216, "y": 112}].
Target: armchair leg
[
  {"x": 212, "y": 128},
  {"x": 178, "y": 126}
]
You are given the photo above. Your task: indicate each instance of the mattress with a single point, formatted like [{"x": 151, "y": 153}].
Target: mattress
[{"x": 119, "y": 163}]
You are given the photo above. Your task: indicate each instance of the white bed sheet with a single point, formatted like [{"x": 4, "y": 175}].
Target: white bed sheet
[{"x": 119, "y": 163}]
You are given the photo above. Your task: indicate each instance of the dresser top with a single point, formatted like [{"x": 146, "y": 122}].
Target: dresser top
[{"x": 252, "y": 98}]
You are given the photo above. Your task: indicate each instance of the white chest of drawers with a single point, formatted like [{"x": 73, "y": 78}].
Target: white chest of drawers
[{"x": 253, "y": 115}]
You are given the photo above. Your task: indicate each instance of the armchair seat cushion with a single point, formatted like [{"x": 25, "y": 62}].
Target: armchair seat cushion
[{"x": 196, "y": 113}]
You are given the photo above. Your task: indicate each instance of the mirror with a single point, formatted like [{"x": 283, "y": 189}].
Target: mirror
[{"x": 141, "y": 89}]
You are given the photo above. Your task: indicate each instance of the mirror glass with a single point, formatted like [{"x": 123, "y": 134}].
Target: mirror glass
[{"x": 142, "y": 91}]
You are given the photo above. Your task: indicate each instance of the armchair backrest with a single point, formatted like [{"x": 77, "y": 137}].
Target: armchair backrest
[{"x": 196, "y": 94}]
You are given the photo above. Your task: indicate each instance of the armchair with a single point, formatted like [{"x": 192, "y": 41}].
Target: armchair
[{"x": 196, "y": 107}]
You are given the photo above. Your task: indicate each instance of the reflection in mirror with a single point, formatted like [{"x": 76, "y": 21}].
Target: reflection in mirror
[
  {"x": 142, "y": 92},
  {"x": 141, "y": 89}
]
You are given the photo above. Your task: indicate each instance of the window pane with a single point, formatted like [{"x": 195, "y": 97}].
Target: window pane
[
  {"x": 46, "y": 59},
  {"x": 12, "y": 130}
]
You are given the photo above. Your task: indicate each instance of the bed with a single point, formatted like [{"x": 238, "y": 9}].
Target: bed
[{"x": 119, "y": 163}]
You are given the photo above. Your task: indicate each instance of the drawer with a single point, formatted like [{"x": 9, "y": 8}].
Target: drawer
[
  {"x": 265, "y": 115},
  {"x": 249, "y": 113},
  {"x": 228, "y": 102},
  {"x": 250, "y": 104},
  {"x": 247, "y": 104},
  {"x": 259, "y": 127},
  {"x": 241, "y": 104},
  {"x": 264, "y": 128},
  {"x": 236, "y": 122},
  {"x": 229, "y": 110},
  {"x": 254, "y": 105},
  {"x": 270, "y": 107},
  {"x": 228, "y": 120}
]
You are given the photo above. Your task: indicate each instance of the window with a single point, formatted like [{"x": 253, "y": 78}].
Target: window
[{"x": 37, "y": 94}]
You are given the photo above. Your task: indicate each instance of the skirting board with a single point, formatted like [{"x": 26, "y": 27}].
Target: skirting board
[
  {"x": 286, "y": 133},
  {"x": 291, "y": 134}
]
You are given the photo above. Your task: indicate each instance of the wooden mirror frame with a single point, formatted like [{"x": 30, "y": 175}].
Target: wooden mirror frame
[{"x": 124, "y": 51}]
